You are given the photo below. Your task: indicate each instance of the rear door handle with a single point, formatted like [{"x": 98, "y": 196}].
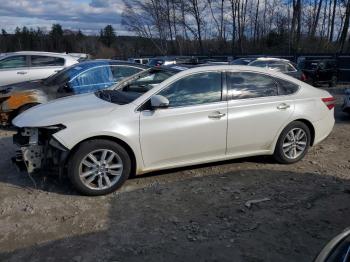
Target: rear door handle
[
  {"x": 216, "y": 115},
  {"x": 283, "y": 106},
  {"x": 21, "y": 73}
]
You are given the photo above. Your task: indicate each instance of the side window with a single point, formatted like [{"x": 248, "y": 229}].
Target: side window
[
  {"x": 194, "y": 90},
  {"x": 290, "y": 68},
  {"x": 279, "y": 66},
  {"x": 38, "y": 61},
  {"x": 120, "y": 72},
  {"x": 251, "y": 85},
  {"x": 259, "y": 63},
  {"x": 286, "y": 87},
  {"x": 98, "y": 76},
  {"x": 13, "y": 62}
]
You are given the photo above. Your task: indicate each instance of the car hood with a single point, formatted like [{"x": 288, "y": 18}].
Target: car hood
[{"x": 64, "y": 111}]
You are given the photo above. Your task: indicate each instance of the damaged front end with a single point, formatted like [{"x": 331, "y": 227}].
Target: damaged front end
[
  {"x": 12, "y": 101},
  {"x": 39, "y": 150}
]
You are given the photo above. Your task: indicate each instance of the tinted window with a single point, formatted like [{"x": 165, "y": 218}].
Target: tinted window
[
  {"x": 195, "y": 89},
  {"x": 259, "y": 63},
  {"x": 290, "y": 68},
  {"x": 38, "y": 61},
  {"x": 155, "y": 62},
  {"x": 251, "y": 85},
  {"x": 240, "y": 61},
  {"x": 120, "y": 72},
  {"x": 94, "y": 76},
  {"x": 277, "y": 65},
  {"x": 286, "y": 87},
  {"x": 13, "y": 62}
]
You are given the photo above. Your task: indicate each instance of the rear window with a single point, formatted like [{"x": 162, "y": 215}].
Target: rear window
[
  {"x": 286, "y": 87},
  {"x": 38, "y": 61}
]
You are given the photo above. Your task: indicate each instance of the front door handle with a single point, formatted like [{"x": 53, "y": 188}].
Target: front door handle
[
  {"x": 21, "y": 73},
  {"x": 283, "y": 106},
  {"x": 216, "y": 115}
]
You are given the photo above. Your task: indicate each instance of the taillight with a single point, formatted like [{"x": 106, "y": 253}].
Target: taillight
[
  {"x": 303, "y": 77},
  {"x": 329, "y": 102}
]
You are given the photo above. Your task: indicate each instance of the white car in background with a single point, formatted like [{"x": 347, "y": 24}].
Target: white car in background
[
  {"x": 31, "y": 65},
  {"x": 199, "y": 115}
]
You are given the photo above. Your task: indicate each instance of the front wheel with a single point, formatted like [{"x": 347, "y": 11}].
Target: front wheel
[
  {"x": 293, "y": 143},
  {"x": 99, "y": 167}
]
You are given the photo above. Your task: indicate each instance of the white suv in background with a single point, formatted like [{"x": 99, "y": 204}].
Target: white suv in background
[{"x": 29, "y": 65}]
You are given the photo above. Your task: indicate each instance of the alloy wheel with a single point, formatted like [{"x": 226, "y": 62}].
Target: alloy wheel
[
  {"x": 295, "y": 143},
  {"x": 100, "y": 169}
]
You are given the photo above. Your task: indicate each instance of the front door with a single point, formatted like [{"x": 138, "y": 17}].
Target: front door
[{"x": 192, "y": 129}]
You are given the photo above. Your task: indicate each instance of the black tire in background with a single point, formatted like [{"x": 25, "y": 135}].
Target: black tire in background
[
  {"x": 90, "y": 146},
  {"x": 279, "y": 154},
  {"x": 333, "y": 82}
]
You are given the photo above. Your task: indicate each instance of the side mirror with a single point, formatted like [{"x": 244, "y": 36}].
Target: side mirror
[
  {"x": 338, "y": 249},
  {"x": 158, "y": 101},
  {"x": 64, "y": 88}
]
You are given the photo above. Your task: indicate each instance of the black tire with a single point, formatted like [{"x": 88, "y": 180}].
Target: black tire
[
  {"x": 280, "y": 155},
  {"x": 333, "y": 82},
  {"x": 74, "y": 166}
]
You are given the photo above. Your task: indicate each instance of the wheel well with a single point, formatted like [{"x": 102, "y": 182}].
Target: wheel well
[
  {"x": 113, "y": 139},
  {"x": 27, "y": 106},
  {"x": 311, "y": 128}
]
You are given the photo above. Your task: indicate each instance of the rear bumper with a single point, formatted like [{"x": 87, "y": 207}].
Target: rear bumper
[{"x": 324, "y": 127}]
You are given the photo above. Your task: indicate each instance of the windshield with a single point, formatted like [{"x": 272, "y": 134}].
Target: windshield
[{"x": 128, "y": 91}]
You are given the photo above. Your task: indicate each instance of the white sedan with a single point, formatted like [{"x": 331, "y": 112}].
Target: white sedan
[{"x": 200, "y": 115}]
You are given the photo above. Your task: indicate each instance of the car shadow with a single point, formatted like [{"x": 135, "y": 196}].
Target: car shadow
[{"x": 201, "y": 219}]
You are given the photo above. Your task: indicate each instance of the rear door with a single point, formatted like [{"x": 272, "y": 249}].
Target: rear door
[
  {"x": 14, "y": 69},
  {"x": 256, "y": 112},
  {"x": 43, "y": 66}
]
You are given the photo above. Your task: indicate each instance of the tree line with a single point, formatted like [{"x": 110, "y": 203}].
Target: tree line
[
  {"x": 241, "y": 26},
  {"x": 203, "y": 27}
]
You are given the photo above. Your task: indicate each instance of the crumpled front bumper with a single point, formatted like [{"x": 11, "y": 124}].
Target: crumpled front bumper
[{"x": 38, "y": 150}]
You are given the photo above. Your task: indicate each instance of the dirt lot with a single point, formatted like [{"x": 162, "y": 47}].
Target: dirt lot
[{"x": 191, "y": 214}]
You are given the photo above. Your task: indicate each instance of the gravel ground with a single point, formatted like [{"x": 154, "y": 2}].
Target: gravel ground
[{"x": 199, "y": 213}]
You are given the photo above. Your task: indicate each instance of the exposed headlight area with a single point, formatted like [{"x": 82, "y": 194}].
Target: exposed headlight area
[{"x": 38, "y": 148}]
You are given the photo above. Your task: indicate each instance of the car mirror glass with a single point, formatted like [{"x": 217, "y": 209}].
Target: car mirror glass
[{"x": 158, "y": 101}]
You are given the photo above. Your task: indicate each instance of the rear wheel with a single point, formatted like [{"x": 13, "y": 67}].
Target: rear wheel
[
  {"x": 293, "y": 143},
  {"x": 99, "y": 167}
]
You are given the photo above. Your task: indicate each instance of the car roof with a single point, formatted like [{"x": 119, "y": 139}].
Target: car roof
[
  {"x": 272, "y": 59},
  {"x": 39, "y": 53},
  {"x": 97, "y": 62},
  {"x": 240, "y": 68}
]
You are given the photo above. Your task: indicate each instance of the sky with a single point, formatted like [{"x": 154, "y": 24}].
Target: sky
[{"x": 87, "y": 15}]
